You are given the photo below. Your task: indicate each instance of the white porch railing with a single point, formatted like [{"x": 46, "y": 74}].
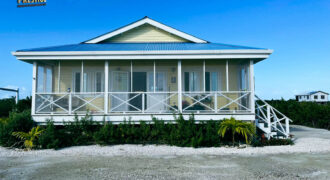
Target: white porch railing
[
  {"x": 69, "y": 103},
  {"x": 216, "y": 102},
  {"x": 270, "y": 120},
  {"x": 143, "y": 102}
]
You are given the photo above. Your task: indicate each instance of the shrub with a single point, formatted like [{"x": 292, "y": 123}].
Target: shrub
[
  {"x": 29, "y": 138},
  {"x": 80, "y": 131},
  {"x": 107, "y": 134},
  {"x": 257, "y": 142},
  {"x": 53, "y": 137},
  {"x": 304, "y": 113},
  {"x": 245, "y": 129},
  {"x": 6, "y": 106},
  {"x": 16, "y": 122}
]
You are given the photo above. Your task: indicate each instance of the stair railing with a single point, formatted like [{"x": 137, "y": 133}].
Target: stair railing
[{"x": 274, "y": 118}]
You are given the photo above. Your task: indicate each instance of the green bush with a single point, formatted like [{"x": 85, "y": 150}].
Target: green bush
[
  {"x": 85, "y": 131},
  {"x": 8, "y": 105},
  {"x": 80, "y": 131},
  {"x": 184, "y": 133},
  {"x": 257, "y": 142},
  {"x": 53, "y": 137},
  {"x": 304, "y": 113},
  {"x": 21, "y": 122}
]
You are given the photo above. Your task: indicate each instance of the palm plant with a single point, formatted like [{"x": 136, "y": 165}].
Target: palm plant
[
  {"x": 245, "y": 129},
  {"x": 29, "y": 137}
]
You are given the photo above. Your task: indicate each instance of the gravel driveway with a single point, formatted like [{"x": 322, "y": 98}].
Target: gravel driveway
[{"x": 309, "y": 158}]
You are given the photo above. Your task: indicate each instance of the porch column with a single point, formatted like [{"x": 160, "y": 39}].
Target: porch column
[
  {"x": 106, "y": 86},
  {"x": 203, "y": 76},
  {"x": 59, "y": 76},
  {"x": 82, "y": 77},
  {"x": 34, "y": 83},
  {"x": 179, "y": 87},
  {"x": 252, "y": 103},
  {"x": 131, "y": 76},
  {"x": 227, "y": 77}
]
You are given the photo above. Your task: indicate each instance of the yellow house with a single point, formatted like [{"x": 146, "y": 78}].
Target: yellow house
[{"x": 141, "y": 70}]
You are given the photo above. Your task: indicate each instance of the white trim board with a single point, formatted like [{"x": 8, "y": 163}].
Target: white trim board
[
  {"x": 145, "y": 57},
  {"x": 239, "y": 51},
  {"x": 136, "y": 118},
  {"x": 143, "y": 21}
]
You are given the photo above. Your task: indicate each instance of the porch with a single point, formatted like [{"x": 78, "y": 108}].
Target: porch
[{"x": 138, "y": 89}]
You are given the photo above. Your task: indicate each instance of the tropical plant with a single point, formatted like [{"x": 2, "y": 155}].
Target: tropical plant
[
  {"x": 246, "y": 129},
  {"x": 29, "y": 137},
  {"x": 16, "y": 122}
]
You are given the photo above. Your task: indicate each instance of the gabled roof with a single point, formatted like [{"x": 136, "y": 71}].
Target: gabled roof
[
  {"x": 151, "y": 40},
  {"x": 143, "y": 21},
  {"x": 311, "y": 93}
]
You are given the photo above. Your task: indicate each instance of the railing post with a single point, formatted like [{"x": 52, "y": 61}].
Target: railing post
[
  {"x": 216, "y": 102},
  {"x": 252, "y": 99},
  {"x": 70, "y": 103},
  {"x": 287, "y": 128},
  {"x": 179, "y": 87},
  {"x": 268, "y": 119},
  {"x": 143, "y": 103}
]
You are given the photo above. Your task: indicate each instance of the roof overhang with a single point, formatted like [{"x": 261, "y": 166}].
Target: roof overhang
[
  {"x": 259, "y": 54},
  {"x": 141, "y": 22}
]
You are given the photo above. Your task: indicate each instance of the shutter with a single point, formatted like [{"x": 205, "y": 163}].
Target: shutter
[
  {"x": 207, "y": 81},
  {"x": 186, "y": 81}
]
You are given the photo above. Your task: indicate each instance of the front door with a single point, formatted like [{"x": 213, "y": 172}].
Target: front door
[{"x": 139, "y": 85}]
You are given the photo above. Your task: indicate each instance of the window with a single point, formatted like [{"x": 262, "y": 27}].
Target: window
[
  {"x": 307, "y": 97},
  {"x": 315, "y": 97},
  {"x": 99, "y": 82},
  {"x": 191, "y": 81},
  {"x": 93, "y": 82},
  {"x": 322, "y": 97},
  {"x": 76, "y": 82},
  {"x": 120, "y": 81},
  {"x": 44, "y": 78},
  {"x": 211, "y": 81},
  {"x": 160, "y": 81},
  {"x": 244, "y": 78}
]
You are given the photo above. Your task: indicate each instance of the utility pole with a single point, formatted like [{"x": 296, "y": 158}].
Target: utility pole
[{"x": 12, "y": 90}]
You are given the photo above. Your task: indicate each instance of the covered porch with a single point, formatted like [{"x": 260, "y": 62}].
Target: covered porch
[{"x": 118, "y": 89}]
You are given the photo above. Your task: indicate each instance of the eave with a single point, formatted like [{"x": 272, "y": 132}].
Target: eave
[{"x": 259, "y": 54}]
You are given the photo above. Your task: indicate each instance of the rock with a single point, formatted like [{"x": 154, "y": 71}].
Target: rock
[{"x": 242, "y": 146}]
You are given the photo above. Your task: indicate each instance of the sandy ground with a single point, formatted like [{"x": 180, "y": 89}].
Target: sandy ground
[{"x": 309, "y": 158}]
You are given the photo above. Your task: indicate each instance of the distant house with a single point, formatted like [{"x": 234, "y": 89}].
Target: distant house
[{"x": 314, "y": 96}]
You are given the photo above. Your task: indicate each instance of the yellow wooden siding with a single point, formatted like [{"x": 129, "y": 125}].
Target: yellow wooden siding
[{"x": 146, "y": 33}]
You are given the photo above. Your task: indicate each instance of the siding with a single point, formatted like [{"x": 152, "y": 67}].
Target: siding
[{"x": 145, "y": 33}]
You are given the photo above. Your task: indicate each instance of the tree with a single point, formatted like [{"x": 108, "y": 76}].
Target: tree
[{"x": 245, "y": 129}]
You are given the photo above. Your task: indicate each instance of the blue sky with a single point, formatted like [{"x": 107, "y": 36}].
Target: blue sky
[{"x": 298, "y": 32}]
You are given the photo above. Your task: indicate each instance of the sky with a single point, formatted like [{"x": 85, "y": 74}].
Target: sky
[{"x": 297, "y": 30}]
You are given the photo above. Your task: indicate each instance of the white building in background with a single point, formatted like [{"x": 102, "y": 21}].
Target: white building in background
[{"x": 314, "y": 96}]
